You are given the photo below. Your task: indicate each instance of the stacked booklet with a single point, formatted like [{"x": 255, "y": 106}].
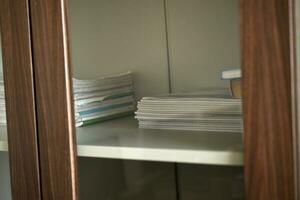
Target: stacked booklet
[
  {"x": 104, "y": 98},
  {"x": 2, "y": 103},
  {"x": 216, "y": 113}
]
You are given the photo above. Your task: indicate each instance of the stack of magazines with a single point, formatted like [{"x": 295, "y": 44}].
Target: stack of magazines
[
  {"x": 2, "y": 103},
  {"x": 191, "y": 113},
  {"x": 104, "y": 98}
]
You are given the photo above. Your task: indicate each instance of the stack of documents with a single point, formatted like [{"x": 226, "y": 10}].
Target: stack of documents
[
  {"x": 216, "y": 113},
  {"x": 104, "y": 98},
  {"x": 2, "y": 103}
]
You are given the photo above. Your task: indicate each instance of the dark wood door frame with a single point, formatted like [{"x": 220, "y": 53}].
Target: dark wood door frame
[
  {"x": 267, "y": 48},
  {"x": 54, "y": 99},
  {"x": 295, "y": 76},
  {"x": 20, "y": 99},
  {"x": 267, "y": 52}
]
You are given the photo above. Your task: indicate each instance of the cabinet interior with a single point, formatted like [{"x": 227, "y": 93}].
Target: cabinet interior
[
  {"x": 170, "y": 46},
  {"x": 5, "y": 190}
]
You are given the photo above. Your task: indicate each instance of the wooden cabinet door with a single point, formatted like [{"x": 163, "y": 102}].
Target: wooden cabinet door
[
  {"x": 20, "y": 132},
  {"x": 267, "y": 89},
  {"x": 267, "y": 51},
  {"x": 54, "y": 99}
]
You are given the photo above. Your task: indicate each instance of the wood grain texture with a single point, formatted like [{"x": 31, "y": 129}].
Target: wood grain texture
[
  {"x": 267, "y": 94},
  {"x": 54, "y": 99},
  {"x": 295, "y": 88},
  {"x": 20, "y": 102}
]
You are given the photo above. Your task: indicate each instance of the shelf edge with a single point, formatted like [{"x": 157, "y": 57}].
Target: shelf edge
[{"x": 225, "y": 158}]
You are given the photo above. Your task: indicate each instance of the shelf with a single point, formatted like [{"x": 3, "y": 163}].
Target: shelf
[
  {"x": 122, "y": 139},
  {"x": 3, "y": 139}
]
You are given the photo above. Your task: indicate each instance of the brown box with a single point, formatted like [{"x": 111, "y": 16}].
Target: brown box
[{"x": 236, "y": 88}]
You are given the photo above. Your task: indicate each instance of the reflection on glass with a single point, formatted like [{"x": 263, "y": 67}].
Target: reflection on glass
[
  {"x": 168, "y": 46},
  {"x": 5, "y": 190}
]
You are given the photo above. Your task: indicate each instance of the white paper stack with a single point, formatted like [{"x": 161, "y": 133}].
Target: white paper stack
[
  {"x": 191, "y": 113},
  {"x": 104, "y": 98},
  {"x": 2, "y": 103}
]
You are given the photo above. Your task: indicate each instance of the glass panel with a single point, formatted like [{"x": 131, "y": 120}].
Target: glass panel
[
  {"x": 5, "y": 190},
  {"x": 173, "y": 147}
]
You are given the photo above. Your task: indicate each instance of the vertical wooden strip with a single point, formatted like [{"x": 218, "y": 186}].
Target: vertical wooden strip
[
  {"x": 267, "y": 94},
  {"x": 54, "y": 99},
  {"x": 20, "y": 100},
  {"x": 294, "y": 78}
]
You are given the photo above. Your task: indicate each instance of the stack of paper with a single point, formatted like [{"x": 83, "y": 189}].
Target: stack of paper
[
  {"x": 191, "y": 112},
  {"x": 104, "y": 98},
  {"x": 2, "y": 103}
]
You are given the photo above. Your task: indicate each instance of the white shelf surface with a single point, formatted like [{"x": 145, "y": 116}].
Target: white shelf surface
[
  {"x": 3, "y": 139},
  {"x": 122, "y": 139}
]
